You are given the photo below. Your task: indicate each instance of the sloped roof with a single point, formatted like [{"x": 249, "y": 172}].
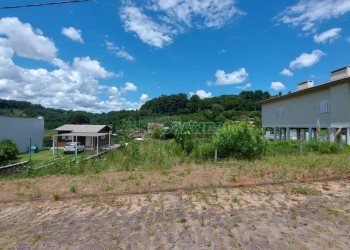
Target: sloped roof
[
  {"x": 81, "y": 128},
  {"x": 308, "y": 90}
]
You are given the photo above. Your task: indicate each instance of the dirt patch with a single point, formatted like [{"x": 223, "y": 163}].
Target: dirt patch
[
  {"x": 268, "y": 217},
  {"x": 181, "y": 177}
]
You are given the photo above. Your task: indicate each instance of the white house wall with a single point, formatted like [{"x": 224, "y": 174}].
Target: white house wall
[{"x": 20, "y": 130}]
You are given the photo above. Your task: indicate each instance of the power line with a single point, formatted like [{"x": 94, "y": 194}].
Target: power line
[{"x": 42, "y": 4}]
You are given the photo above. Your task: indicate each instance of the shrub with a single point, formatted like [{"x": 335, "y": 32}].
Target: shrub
[
  {"x": 242, "y": 141},
  {"x": 8, "y": 151},
  {"x": 184, "y": 133},
  {"x": 157, "y": 133}
]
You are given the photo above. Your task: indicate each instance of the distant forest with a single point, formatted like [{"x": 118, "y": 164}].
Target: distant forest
[{"x": 216, "y": 109}]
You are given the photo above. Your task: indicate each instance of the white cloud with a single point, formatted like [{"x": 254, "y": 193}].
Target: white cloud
[
  {"x": 306, "y": 60},
  {"x": 308, "y": 13},
  {"x": 129, "y": 86},
  {"x": 277, "y": 86},
  {"x": 73, "y": 34},
  {"x": 245, "y": 86},
  {"x": 144, "y": 97},
  {"x": 327, "y": 36},
  {"x": 119, "y": 52},
  {"x": 286, "y": 72},
  {"x": 90, "y": 67},
  {"x": 146, "y": 29},
  {"x": 202, "y": 94},
  {"x": 26, "y": 42},
  {"x": 159, "y": 21},
  {"x": 70, "y": 85},
  {"x": 234, "y": 77}
]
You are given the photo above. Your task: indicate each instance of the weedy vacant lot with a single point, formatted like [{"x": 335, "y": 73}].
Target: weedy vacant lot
[{"x": 294, "y": 216}]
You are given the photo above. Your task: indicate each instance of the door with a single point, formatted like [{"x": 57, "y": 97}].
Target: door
[{"x": 88, "y": 142}]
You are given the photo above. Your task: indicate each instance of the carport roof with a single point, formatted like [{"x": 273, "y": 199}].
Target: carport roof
[
  {"x": 83, "y": 134},
  {"x": 85, "y": 128}
]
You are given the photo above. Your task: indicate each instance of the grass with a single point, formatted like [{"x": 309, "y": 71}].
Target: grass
[
  {"x": 45, "y": 157},
  {"x": 56, "y": 197},
  {"x": 304, "y": 190},
  {"x": 162, "y": 156},
  {"x": 73, "y": 188},
  {"x": 147, "y": 155}
]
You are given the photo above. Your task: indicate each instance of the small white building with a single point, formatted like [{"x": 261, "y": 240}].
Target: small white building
[
  {"x": 22, "y": 130},
  {"x": 325, "y": 107}
]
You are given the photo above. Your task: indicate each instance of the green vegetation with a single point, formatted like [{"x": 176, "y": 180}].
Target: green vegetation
[
  {"x": 184, "y": 133},
  {"x": 304, "y": 190},
  {"x": 242, "y": 141},
  {"x": 8, "y": 151},
  {"x": 216, "y": 109},
  {"x": 73, "y": 188},
  {"x": 56, "y": 197},
  {"x": 148, "y": 155},
  {"x": 297, "y": 147}
]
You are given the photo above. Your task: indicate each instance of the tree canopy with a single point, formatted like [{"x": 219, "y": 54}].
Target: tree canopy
[{"x": 217, "y": 109}]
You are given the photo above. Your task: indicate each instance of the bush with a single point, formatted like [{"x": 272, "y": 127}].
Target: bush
[
  {"x": 242, "y": 141},
  {"x": 184, "y": 133},
  {"x": 157, "y": 133},
  {"x": 8, "y": 151}
]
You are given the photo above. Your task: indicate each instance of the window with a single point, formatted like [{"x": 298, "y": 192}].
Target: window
[
  {"x": 280, "y": 113},
  {"x": 67, "y": 138},
  {"x": 323, "y": 107}
]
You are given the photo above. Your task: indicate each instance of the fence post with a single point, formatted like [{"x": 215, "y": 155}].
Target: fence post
[{"x": 216, "y": 156}]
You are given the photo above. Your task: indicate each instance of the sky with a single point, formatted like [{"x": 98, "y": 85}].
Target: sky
[{"x": 105, "y": 55}]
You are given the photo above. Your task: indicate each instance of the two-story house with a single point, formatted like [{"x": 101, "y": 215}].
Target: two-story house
[{"x": 324, "y": 108}]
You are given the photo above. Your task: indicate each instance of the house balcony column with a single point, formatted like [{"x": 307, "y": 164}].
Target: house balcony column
[
  {"x": 280, "y": 134},
  {"x": 275, "y": 133},
  {"x": 331, "y": 135},
  {"x": 348, "y": 136},
  {"x": 287, "y": 134},
  {"x": 310, "y": 134}
]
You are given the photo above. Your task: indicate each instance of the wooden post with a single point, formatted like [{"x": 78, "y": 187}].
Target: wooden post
[
  {"x": 76, "y": 146},
  {"x": 53, "y": 145},
  {"x": 97, "y": 144},
  {"x": 216, "y": 156},
  {"x": 109, "y": 140}
]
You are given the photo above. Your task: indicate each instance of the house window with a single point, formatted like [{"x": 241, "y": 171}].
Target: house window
[
  {"x": 323, "y": 107},
  {"x": 103, "y": 137},
  {"x": 280, "y": 113},
  {"x": 67, "y": 138}
]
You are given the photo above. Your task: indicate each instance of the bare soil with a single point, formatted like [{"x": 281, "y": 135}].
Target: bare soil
[
  {"x": 269, "y": 217},
  {"x": 112, "y": 182}
]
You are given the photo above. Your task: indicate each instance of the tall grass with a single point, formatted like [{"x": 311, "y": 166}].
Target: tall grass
[
  {"x": 296, "y": 147},
  {"x": 147, "y": 155}
]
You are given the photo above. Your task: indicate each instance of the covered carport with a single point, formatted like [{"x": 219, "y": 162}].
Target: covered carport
[{"x": 97, "y": 141}]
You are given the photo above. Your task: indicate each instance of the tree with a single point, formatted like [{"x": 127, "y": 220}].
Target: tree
[{"x": 79, "y": 117}]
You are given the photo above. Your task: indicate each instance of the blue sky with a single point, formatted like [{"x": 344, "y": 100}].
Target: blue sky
[{"x": 110, "y": 55}]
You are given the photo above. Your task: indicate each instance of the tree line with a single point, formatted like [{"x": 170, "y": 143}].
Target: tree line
[{"x": 217, "y": 109}]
